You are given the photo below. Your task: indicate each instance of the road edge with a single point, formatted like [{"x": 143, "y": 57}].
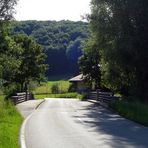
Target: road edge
[{"x": 22, "y": 129}]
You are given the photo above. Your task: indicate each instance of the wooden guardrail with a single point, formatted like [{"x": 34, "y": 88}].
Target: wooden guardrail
[
  {"x": 103, "y": 96},
  {"x": 93, "y": 95},
  {"x": 21, "y": 97}
]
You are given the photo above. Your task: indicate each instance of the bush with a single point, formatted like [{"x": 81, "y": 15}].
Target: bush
[
  {"x": 72, "y": 88},
  {"x": 10, "y": 90},
  {"x": 82, "y": 96},
  {"x": 55, "y": 89}
]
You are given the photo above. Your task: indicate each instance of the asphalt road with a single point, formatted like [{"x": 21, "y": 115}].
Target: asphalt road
[{"x": 62, "y": 123}]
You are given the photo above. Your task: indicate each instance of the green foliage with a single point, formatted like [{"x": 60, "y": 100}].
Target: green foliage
[
  {"x": 10, "y": 122},
  {"x": 9, "y": 58},
  {"x": 7, "y": 9},
  {"x": 82, "y": 96},
  {"x": 21, "y": 62},
  {"x": 132, "y": 110},
  {"x": 21, "y": 59},
  {"x": 119, "y": 28},
  {"x": 89, "y": 63},
  {"x": 6, "y": 44},
  {"x": 31, "y": 66},
  {"x": 55, "y": 89},
  {"x": 61, "y": 42},
  {"x": 74, "y": 50}
]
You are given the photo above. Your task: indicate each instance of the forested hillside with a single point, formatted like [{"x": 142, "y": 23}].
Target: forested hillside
[{"x": 62, "y": 42}]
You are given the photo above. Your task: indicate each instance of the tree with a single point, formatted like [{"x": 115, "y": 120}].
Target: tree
[
  {"x": 32, "y": 57},
  {"x": 9, "y": 59},
  {"x": 74, "y": 50},
  {"x": 7, "y": 46},
  {"x": 120, "y": 29},
  {"x": 89, "y": 64},
  {"x": 7, "y": 9}
]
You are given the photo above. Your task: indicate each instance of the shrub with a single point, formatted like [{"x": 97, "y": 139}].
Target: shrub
[
  {"x": 55, "y": 89},
  {"x": 82, "y": 96},
  {"x": 72, "y": 88}
]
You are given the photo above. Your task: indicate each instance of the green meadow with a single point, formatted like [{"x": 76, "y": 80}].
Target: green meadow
[{"x": 46, "y": 88}]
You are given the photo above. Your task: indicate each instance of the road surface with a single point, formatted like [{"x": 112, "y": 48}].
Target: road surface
[{"x": 70, "y": 123}]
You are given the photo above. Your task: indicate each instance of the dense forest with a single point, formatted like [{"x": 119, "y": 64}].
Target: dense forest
[{"x": 62, "y": 42}]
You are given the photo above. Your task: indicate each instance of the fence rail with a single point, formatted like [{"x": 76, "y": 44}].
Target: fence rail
[
  {"x": 102, "y": 96},
  {"x": 22, "y": 97}
]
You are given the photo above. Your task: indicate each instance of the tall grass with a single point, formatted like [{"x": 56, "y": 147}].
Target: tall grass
[
  {"x": 10, "y": 122},
  {"x": 135, "y": 111}
]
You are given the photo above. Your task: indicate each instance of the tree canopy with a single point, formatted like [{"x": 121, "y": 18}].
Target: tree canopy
[
  {"x": 89, "y": 64},
  {"x": 7, "y": 46},
  {"x": 32, "y": 67},
  {"x": 121, "y": 34},
  {"x": 7, "y": 9}
]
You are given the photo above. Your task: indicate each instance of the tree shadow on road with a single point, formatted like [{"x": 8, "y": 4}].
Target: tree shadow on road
[{"x": 119, "y": 131}]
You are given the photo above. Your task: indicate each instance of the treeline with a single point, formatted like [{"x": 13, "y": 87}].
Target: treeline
[
  {"x": 62, "y": 42},
  {"x": 119, "y": 45}
]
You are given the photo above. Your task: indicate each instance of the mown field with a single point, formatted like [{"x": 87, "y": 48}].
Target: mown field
[
  {"x": 10, "y": 122},
  {"x": 46, "y": 88},
  {"x": 54, "y": 89}
]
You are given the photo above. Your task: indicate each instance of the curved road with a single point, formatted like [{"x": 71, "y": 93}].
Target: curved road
[{"x": 70, "y": 123}]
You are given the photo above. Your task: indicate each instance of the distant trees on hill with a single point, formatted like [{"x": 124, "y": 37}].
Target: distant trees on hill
[{"x": 62, "y": 42}]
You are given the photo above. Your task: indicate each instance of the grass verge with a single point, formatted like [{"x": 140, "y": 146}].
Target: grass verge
[
  {"x": 10, "y": 122},
  {"x": 135, "y": 111},
  {"x": 64, "y": 95}
]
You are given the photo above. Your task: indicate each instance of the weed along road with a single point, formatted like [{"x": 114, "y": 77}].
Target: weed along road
[{"x": 70, "y": 123}]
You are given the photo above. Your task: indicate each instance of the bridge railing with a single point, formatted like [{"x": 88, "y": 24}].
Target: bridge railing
[{"x": 21, "y": 97}]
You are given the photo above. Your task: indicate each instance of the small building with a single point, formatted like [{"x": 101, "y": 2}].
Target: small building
[{"x": 78, "y": 83}]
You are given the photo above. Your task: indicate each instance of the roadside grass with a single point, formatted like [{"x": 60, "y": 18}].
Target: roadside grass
[
  {"x": 64, "y": 95},
  {"x": 10, "y": 122},
  {"x": 45, "y": 88},
  {"x": 135, "y": 111}
]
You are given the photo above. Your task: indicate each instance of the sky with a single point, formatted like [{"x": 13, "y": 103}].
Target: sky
[{"x": 52, "y": 9}]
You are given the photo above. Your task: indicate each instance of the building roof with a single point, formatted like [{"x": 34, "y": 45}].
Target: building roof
[{"x": 77, "y": 78}]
